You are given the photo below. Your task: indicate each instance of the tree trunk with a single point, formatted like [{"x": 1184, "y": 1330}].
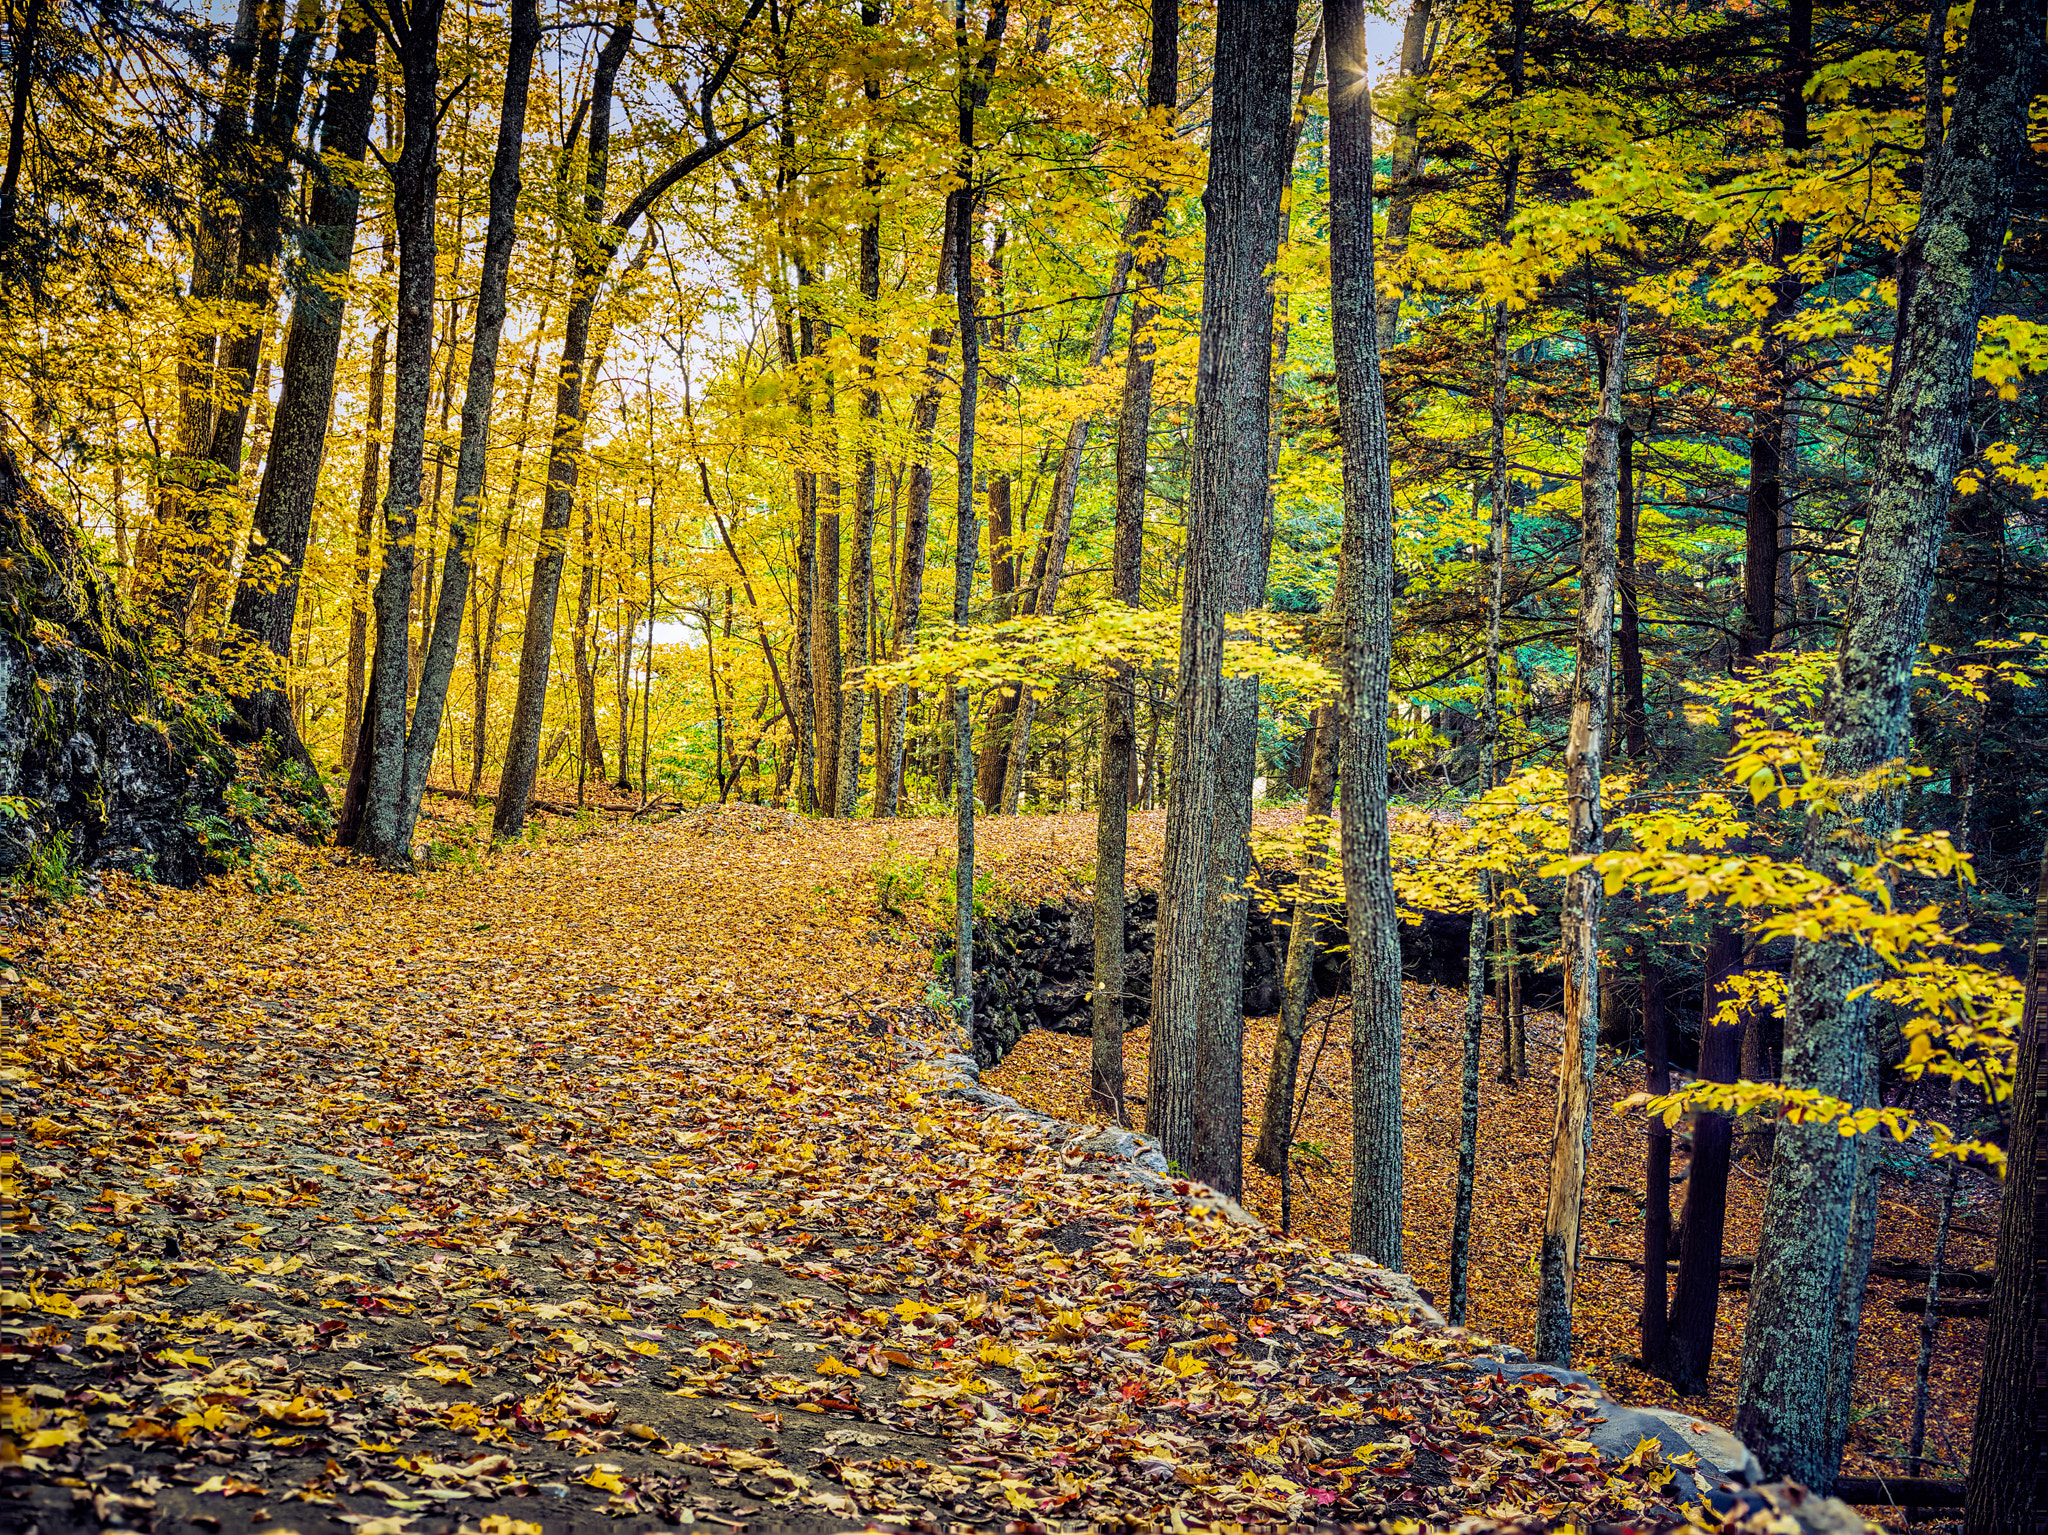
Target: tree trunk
[
  {"x": 2007, "y": 1489},
  {"x": 826, "y": 661},
  {"x": 1418, "y": 38},
  {"x": 1367, "y": 574},
  {"x": 907, "y": 598},
  {"x": 1653, "y": 1330},
  {"x": 268, "y": 596},
  {"x": 1635, "y": 710},
  {"x": 414, "y": 177},
  {"x": 1304, "y": 948},
  {"x": 484, "y": 636},
  {"x": 1765, "y": 505},
  {"x": 359, "y": 576},
  {"x": 860, "y": 574},
  {"x": 1252, "y": 96},
  {"x": 1598, "y": 492},
  {"x": 1696, "y": 1297},
  {"x": 1946, "y": 272},
  {"x": 975, "y": 77},
  {"x": 1106, "y": 1085}
]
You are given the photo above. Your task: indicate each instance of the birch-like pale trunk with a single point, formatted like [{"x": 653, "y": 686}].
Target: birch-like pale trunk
[{"x": 1599, "y": 468}]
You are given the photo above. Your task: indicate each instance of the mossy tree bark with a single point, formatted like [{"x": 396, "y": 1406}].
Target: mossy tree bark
[{"x": 1798, "y": 1347}]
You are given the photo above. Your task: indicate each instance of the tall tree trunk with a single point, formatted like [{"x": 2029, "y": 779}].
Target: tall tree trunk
[
  {"x": 1418, "y": 39},
  {"x": 1106, "y": 1086},
  {"x": 268, "y": 596},
  {"x": 1653, "y": 1329},
  {"x": 1635, "y": 710},
  {"x": 1590, "y": 696},
  {"x": 860, "y": 574},
  {"x": 359, "y": 575},
  {"x": 975, "y": 76},
  {"x": 415, "y": 175},
  {"x": 2008, "y": 1489},
  {"x": 1696, "y": 1298},
  {"x": 580, "y": 656},
  {"x": 1765, "y": 505},
  {"x": 1794, "y": 1346},
  {"x": 1367, "y": 574},
  {"x": 907, "y": 596},
  {"x": 1251, "y": 98},
  {"x": 827, "y": 663},
  {"x": 21, "y": 49}
]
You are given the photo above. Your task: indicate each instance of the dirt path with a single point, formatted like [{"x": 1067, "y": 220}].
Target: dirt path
[{"x": 620, "y": 1180}]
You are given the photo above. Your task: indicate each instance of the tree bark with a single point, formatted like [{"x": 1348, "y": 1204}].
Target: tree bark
[
  {"x": 1635, "y": 710},
  {"x": 359, "y": 576},
  {"x": 975, "y": 76},
  {"x": 1106, "y": 1082},
  {"x": 1653, "y": 1329},
  {"x": 2008, "y": 1487},
  {"x": 268, "y": 596},
  {"x": 860, "y": 573},
  {"x": 1696, "y": 1297},
  {"x": 826, "y": 660},
  {"x": 416, "y": 40},
  {"x": 1807, "y": 1264},
  {"x": 1598, "y": 493},
  {"x": 1764, "y": 507},
  {"x": 1367, "y": 574},
  {"x": 1194, "y": 1103}
]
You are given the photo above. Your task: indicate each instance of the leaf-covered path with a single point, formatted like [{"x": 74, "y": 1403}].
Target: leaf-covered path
[{"x": 623, "y": 1180}]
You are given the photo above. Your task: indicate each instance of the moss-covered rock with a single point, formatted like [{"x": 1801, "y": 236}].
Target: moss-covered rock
[{"x": 100, "y": 764}]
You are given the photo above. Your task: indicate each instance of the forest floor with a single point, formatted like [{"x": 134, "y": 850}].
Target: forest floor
[{"x": 613, "y": 1181}]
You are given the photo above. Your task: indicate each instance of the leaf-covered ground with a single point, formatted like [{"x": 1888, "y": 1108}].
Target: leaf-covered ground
[
  {"x": 1048, "y": 1071},
  {"x": 617, "y": 1181}
]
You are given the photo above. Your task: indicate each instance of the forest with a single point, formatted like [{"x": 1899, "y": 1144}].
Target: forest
[{"x": 806, "y": 547}]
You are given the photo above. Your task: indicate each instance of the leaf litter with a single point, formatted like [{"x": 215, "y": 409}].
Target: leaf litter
[{"x": 621, "y": 1184}]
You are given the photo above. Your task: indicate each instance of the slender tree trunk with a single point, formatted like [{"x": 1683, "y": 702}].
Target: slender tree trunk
[
  {"x": 1765, "y": 505},
  {"x": 1304, "y": 948},
  {"x": 1106, "y": 1086},
  {"x": 861, "y": 573},
  {"x": 484, "y": 637},
  {"x": 415, "y": 177},
  {"x": 1590, "y": 695},
  {"x": 2008, "y": 1483},
  {"x": 1800, "y": 1335},
  {"x": 1653, "y": 1329},
  {"x": 827, "y": 666},
  {"x": 907, "y": 597},
  {"x": 1635, "y": 710},
  {"x": 268, "y": 596},
  {"x": 975, "y": 76},
  {"x": 1696, "y": 1298},
  {"x": 359, "y": 575},
  {"x": 22, "y": 47},
  {"x": 1191, "y": 1080},
  {"x": 1418, "y": 37},
  {"x": 1367, "y": 574}
]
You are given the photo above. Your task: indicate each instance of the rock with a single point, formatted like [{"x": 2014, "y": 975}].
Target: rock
[{"x": 97, "y": 763}]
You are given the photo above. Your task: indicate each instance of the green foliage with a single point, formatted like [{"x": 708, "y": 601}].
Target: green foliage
[
  {"x": 49, "y": 873},
  {"x": 899, "y": 880}
]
